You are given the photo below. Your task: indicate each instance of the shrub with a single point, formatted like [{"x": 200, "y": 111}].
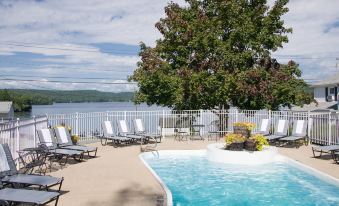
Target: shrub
[
  {"x": 234, "y": 138},
  {"x": 248, "y": 125},
  {"x": 260, "y": 141}
]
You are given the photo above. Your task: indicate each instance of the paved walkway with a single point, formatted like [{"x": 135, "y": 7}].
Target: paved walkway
[{"x": 118, "y": 177}]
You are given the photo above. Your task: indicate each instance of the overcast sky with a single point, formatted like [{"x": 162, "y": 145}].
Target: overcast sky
[{"x": 98, "y": 39}]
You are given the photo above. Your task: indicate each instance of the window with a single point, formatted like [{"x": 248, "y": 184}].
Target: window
[{"x": 332, "y": 90}]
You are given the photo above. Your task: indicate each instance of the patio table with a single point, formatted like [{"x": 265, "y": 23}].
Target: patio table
[{"x": 196, "y": 129}]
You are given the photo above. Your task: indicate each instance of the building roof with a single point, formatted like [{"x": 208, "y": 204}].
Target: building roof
[
  {"x": 333, "y": 79},
  {"x": 321, "y": 106},
  {"x": 5, "y": 107}
]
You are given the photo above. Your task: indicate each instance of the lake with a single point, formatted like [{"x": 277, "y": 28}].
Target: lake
[{"x": 66, "y": 108}]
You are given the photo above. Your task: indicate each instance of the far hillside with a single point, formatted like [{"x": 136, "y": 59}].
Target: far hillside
[{"x": 24, "y": 98}]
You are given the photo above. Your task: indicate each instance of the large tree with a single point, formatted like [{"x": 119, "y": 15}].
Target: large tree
[{"x": 217, "y": 53}]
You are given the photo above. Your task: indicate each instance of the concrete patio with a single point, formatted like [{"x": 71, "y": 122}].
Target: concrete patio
[{"x": 118, "y": 177}]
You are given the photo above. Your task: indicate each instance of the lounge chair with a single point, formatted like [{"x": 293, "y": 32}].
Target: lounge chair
[
  {"x": 299, "y": 132},
  {"x": 140, "y": 130},
  {"x": 325, "y": 149},
  {"x": 10, "y": 196},
  {"x": 10, "y": 175},
  {"x": 125, "y": 132},
  {"x": 264, "y": 129},
  {"x": 64, "y": 141},
  {"x": 109, "y": 134},
  {"x": 280, "y": 130},
  {"x": 48, "y": 142}
]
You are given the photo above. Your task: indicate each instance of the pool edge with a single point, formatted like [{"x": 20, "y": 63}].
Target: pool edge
[
  {"x": 312, "y": 171},
  {"x": 169, "y": 198}
]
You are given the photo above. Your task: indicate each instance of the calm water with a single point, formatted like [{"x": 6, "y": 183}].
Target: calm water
[
  {"x": 193, "y": 180},
  {"x": 64, "y": 108}
]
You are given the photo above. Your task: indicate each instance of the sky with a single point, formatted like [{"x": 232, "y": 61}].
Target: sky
[{"x": 57, "y": 41}]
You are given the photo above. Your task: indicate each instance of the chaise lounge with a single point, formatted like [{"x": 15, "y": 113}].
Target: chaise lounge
[
  {"x": 64, "y": 141},
  {"x": 10, "y": 175},
  {"x": 109, "y": 134}
]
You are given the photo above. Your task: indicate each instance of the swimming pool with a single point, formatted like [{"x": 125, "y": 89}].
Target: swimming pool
[{"x": 193, "y": 180}]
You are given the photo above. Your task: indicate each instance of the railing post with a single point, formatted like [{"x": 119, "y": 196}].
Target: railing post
[
  {"x": 236, "y": 115},
  {"x": 329, "y": 129},
  {"x": 309, "y": 125},
  {"x": 77, "y": 123},
  {"x": 163, "y": 123},
  {"x": 34, "y": 135},
  {"x": 125, "y": 115},
  {"x": 106, "y": 115},
  {"x": 17, "y": 136}
]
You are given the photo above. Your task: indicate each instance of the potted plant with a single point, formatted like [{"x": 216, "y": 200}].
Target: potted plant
[
  {"x": 243, "y": 128},
  {"x": 234, "y": 142},
  {"x": 256, "y": 142},
  {"x": 75, "y": 139}
]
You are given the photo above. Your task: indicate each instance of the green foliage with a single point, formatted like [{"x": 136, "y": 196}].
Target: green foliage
[
  {"x": 24, "y": 99},
  {"x": 234, "y": 138},
  {"x": 248, "y": 125},
  {"x": 260, "y": 141},
  {"x": 215, "y": 53}
]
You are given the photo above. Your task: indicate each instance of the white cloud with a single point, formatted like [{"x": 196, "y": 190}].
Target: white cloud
[
  {"x": 78, "y": 24},
  {"x": 314, "y": 36}
]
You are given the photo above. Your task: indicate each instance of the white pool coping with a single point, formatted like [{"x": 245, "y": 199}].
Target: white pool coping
[{"x": 281, "y": 158}]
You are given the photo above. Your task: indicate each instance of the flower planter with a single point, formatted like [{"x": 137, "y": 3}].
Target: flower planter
[
  {"x": 235, "y": 146},
  {"x": 242, "y": 130},
  {"x": 250, "y": 145}
]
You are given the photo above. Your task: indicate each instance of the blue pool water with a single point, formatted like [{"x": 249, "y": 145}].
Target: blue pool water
[{"x": 193, "y": 180}]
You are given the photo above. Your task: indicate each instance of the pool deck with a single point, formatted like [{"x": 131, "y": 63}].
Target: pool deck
[{"x": 118, "y": 177}]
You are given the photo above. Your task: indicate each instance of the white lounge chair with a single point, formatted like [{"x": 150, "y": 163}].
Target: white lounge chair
[
  {"x": 64, "y": 141},
  {"x": 299, "y": 132},
  {"x": 140, "y": 130},
  {"x": 264, "y": 127},
  {"x": 280, "y": 130},
  {"x": 109, "y": 134},
  {"x": 48, "y": 142},
  {"x": 325, "y": 149},
  {"x": 125, "y": 132}
]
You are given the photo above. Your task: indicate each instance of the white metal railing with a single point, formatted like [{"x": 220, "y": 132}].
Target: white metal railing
[
  {"x": 20, "y": 134},
  {"x": 323, "y": 127}
]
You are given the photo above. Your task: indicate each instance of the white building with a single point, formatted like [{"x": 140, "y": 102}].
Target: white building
[
  {"x": 6, "y": 110},
  {"x": 327, "y": 90}
]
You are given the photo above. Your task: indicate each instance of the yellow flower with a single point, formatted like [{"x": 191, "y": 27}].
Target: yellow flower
[
  {"x": 234, "y": 138},
  {"x": 249, "y": 125},
  {"x": 75, "y": 138},
  {"x": 260, "y": 141}
]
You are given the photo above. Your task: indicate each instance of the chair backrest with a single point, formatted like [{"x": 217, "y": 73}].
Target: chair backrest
[
  {"x": 123, "y": 127},
  {"x": 7, "y": 164},
  {"x": 264, "y": 126},
  {"x": 138, "y": 126},
  {"x": 46, "y": 137},
  {"x": 62, "y": 135},
  {"x": 281, "y": 127},
  {"x": 214, "y": 126},
  {"x": 107, "y": 129},
  {"x": 299, "y": 128}
]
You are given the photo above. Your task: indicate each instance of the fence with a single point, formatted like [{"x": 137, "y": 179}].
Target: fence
[
  {"x": 323, "y": 127},
  {"x": 20, "y": 134}
]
